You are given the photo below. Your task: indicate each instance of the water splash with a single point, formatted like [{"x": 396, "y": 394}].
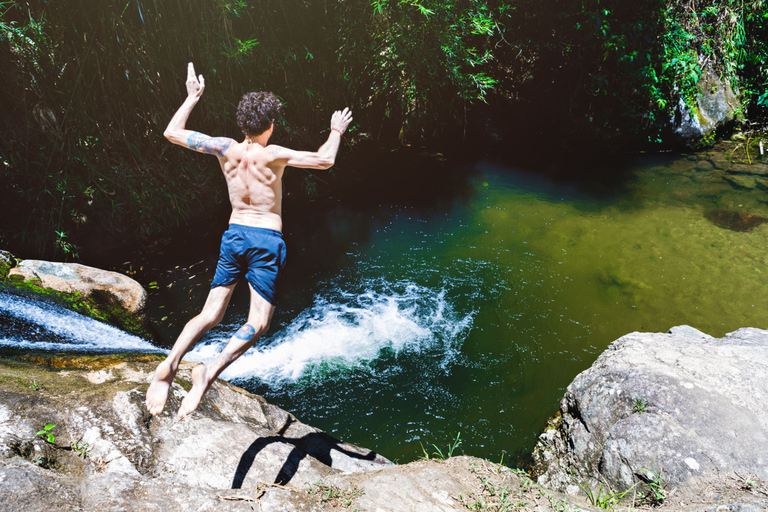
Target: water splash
[
  {"x": 28, "y": 323},
  {"x": 346, "y": 331}
]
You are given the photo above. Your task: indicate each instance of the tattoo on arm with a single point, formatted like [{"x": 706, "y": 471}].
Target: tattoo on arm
[
  {"x": 246, "y": 333},
  {"x": 208, "y": 145},
  {"x": 276, "y": 151}
]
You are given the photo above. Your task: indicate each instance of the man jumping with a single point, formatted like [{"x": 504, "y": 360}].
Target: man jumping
[{"x": 253, "y": 246}]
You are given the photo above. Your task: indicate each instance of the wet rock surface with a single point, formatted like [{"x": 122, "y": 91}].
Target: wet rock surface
[
  {"x": 673, "y": 410},
  {"x": 7, "y": 262}
]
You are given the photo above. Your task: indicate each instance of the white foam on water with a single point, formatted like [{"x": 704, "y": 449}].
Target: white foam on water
[
  {"x": 347, "y": 331},
  {"x": 82, "y": 333}
]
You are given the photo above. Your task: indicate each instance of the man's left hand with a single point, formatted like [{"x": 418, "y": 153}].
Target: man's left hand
[{"x": 195, "y": 86}]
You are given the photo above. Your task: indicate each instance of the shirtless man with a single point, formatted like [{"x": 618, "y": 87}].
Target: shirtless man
[{"x": 252, "y": 247}]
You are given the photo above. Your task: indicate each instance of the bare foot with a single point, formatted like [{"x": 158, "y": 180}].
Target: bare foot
[
  {"x": 199, "y": 387},
  {"x": 157, "y": 394}
]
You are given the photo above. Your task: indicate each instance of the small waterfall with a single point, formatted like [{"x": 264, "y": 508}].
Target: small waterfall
[{"x": 33, "y": 324}]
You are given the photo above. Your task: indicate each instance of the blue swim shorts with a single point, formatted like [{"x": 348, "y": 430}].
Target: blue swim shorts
[{"x": 258, "y": 254}]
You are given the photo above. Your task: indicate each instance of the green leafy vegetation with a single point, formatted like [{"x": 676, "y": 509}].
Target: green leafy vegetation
[
  {"x": 47, "y": 434},
  {"x": 654, "y": 492},
  {"x": 639, "y": 405},
  {"x": 80, "y": 448},
  {"x": 438, "y": 454},
  {"x": 604, "y": 497},
  {"x": 625, "y": 66}
]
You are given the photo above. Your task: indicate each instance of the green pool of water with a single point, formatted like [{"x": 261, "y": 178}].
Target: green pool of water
[{"x": 468, "y": 306}]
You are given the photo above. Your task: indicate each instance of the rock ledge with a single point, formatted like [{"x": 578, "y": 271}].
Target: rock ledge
[{"x": 678, "y": 408}]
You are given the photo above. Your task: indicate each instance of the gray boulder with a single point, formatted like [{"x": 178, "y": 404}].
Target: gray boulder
[
  {"x": 77, "y": 278},
  {"x": 666, "y": 408},
  {"x": 716, "y": 107}
]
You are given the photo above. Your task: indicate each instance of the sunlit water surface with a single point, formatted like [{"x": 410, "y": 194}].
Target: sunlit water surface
[{"x": 403, "y": 323}]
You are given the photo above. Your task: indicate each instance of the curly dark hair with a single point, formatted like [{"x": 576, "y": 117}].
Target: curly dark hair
[{"x": 257, "y": 111}]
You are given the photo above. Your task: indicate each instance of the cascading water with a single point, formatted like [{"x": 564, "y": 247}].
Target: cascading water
[
  {"x": 32, "y": 324},
  {"x": 347, "y": 331}
]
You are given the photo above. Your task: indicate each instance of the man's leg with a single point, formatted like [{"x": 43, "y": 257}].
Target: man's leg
[
  {"x": 203, "y": 375},
  {"x": 209, "y": 317}
]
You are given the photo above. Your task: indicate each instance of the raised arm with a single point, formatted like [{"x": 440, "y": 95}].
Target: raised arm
[
  {"x": 324, "y": 157},
  {"x": 178, "y": 134}
]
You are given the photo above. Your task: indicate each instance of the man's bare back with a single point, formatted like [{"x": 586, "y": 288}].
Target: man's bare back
[
  {"x": 254, "y": 181},
  {"x": 253, "y": 170}
]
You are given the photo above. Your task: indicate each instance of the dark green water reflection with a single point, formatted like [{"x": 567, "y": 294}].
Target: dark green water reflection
[{"x": 409, "y": 316}]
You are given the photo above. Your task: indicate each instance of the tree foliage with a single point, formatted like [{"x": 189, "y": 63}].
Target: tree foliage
[
  {"x": 90, "y": 85},
  {"x": 612, "y": 70},
  {"x": 93, "y": 83},
  {"x": 419, "y": 63}
]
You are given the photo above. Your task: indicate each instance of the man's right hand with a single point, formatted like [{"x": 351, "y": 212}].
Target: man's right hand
[{"x": 194, "y": 86}]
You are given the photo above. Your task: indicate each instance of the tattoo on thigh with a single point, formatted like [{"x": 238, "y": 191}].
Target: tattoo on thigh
[{"x": 246, "y": 332}]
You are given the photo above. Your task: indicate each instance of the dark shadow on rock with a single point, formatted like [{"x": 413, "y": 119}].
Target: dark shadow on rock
[
  {"x": 736, "y": 221},
  {"x": 317, "y": 445}
]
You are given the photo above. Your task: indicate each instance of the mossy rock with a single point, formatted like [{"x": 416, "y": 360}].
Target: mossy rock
[
  {"x": 85, "y": 362},
  {"x": 7, "y": 262},
  {"x": 98, "y": 305},
  {"x": 554, "y": 422}
]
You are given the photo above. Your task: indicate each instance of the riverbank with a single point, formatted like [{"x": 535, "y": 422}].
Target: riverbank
[{"x": 74, "y": 435}]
